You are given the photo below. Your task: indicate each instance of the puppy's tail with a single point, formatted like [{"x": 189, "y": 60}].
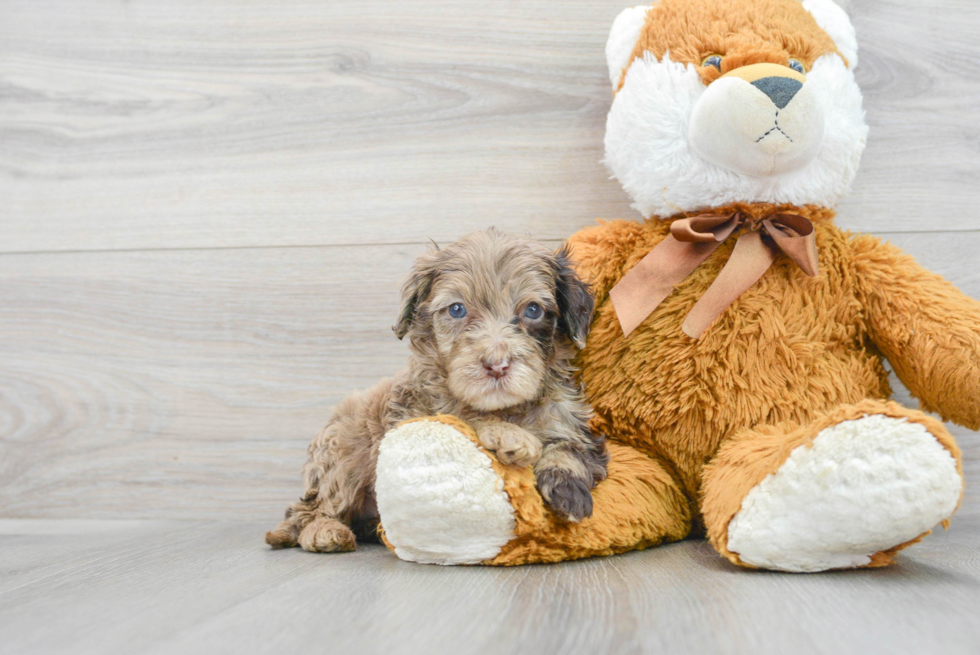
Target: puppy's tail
[{"x": 286, "y": 534}]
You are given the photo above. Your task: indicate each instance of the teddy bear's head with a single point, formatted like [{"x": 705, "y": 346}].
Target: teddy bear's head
[{"x": 721, "y": 101}]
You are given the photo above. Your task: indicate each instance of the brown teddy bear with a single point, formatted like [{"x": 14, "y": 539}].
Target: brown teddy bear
[{"x": 736, "y": 355}]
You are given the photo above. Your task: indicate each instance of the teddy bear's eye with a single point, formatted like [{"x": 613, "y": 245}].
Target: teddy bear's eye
[
  {"x": 797, "y": 65},
  {"x": 457, "y": 310},
  {"x": 712, "y": 60}
]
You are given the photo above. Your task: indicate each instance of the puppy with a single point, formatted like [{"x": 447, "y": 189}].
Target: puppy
[{"x": 493, "y": 321}]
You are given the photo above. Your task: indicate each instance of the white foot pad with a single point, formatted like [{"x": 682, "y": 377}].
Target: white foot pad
[
  {"x": 864, "y": 486},
  {"x": 439, "y": 498}
]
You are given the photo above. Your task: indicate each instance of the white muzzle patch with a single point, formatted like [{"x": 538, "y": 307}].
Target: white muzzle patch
[
  {"x": 677, "y": 145},
  {"x": 771, "y": 126}
]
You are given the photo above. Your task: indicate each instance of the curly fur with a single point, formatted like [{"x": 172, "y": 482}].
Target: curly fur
[{"x": 531, "y": 414}]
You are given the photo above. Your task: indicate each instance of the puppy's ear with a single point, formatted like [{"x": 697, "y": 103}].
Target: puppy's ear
[
  {"x": 416, "y": 289},
  {"x": 575, "y": 302}
]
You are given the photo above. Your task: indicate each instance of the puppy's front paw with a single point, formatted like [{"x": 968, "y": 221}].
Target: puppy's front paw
[
  {"x": 519, "y": 449},
  {"x": 513, "y": 445},
  {"x": 567, "y": 496}
]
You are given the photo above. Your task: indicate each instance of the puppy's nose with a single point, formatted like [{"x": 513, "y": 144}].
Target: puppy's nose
[
  {"x": 779, "y": 89},
  {"x": 496, "y": 369}
]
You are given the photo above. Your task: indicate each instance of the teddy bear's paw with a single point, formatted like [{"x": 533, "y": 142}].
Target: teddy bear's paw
[
  {"x": 864, "y": 486},
  {"x": 439, "y": 498}
]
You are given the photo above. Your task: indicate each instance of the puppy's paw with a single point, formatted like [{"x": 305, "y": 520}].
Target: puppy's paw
[
  {"x": 567, "y": 496},
  {"x": 513, "y": 445},
  {"x": 519, "y": 449},
  {"x": 325, "y": 535},
  {"x": 281, "y": 537}
]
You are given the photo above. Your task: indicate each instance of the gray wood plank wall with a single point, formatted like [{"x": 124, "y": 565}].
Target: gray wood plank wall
[{"x": 206, "y": 209}]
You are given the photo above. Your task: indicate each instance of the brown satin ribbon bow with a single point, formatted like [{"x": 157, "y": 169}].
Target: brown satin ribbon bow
[{"x": 691, "y": 241}]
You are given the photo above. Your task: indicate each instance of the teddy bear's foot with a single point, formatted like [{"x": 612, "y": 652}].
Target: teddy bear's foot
[
  {"x": 445, "y": 499},
  {"x": 439, "y": 497},
  {"x": 864, "y": 486},
  {"x": 849, "y": 496}
]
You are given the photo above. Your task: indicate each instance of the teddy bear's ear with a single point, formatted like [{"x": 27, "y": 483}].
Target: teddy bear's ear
[
  {"x": 834, "y": 21},
  {"x": 623, "y": 36}
]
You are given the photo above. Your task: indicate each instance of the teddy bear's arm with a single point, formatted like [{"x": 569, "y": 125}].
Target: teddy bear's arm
[
  {"x": 928, "y": 329},
  {"x": 601, "y": 253}
]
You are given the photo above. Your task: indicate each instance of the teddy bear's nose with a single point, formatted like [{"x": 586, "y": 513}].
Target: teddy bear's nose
[{"x": 779, "y": 89}]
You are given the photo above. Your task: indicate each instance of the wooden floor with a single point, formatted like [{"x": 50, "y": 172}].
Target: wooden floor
[
  {"x": 206, "y": 209},
  {"x": 171, "y": 587}
]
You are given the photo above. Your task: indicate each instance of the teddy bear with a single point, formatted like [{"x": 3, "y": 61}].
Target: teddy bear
[{"x": 736, "y": 355}]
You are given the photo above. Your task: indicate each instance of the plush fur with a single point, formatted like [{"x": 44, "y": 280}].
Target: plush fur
[
  {"x": 649, "y": 145},
  {"x": 493, "y": 320},
  {"x": 422, "y": 459},
  {"x": 772, "y": 434},
  {"x": 448, "y": 522},
  {"x": 881, "y": 480}
]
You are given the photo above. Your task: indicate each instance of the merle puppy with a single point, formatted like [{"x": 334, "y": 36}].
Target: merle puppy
[{"x": 494, "y": 321}]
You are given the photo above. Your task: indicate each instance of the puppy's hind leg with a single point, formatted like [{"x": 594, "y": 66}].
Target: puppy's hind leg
[
  {"x": 286, "y": 534},
  {"x": 313, "y": 523},
  {"x": 309, "y": 528},
  {"x": 327, "y": 535},
  {"x": 339, "y": 479}
]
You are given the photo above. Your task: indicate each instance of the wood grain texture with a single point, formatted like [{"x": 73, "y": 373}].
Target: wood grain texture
[
  {"x": 205, "y": 213},
  {"x": 256, "y": 124},
  {"x": 923, "y": 152},
  {"x": 187, "y": 384},
  {"x": 189, "y": 587},
  {"x": 164, "y": 354},
  {"x": 179, "y": 124},
  {"x": 182, "y": 384}
]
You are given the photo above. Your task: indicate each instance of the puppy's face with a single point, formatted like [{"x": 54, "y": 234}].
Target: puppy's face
[{"x": 493, "y": 312}]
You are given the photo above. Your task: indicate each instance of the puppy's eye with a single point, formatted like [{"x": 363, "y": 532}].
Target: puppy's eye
[
  {"x": 457, "y": 310},
  {"x": 533, "y": 311},
  {"x": 712, "y": 60},
  {"x": 797, "y": 65}
]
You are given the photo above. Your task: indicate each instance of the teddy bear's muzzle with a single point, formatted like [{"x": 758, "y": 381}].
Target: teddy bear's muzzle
[{"x": 758, "y": 120}]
